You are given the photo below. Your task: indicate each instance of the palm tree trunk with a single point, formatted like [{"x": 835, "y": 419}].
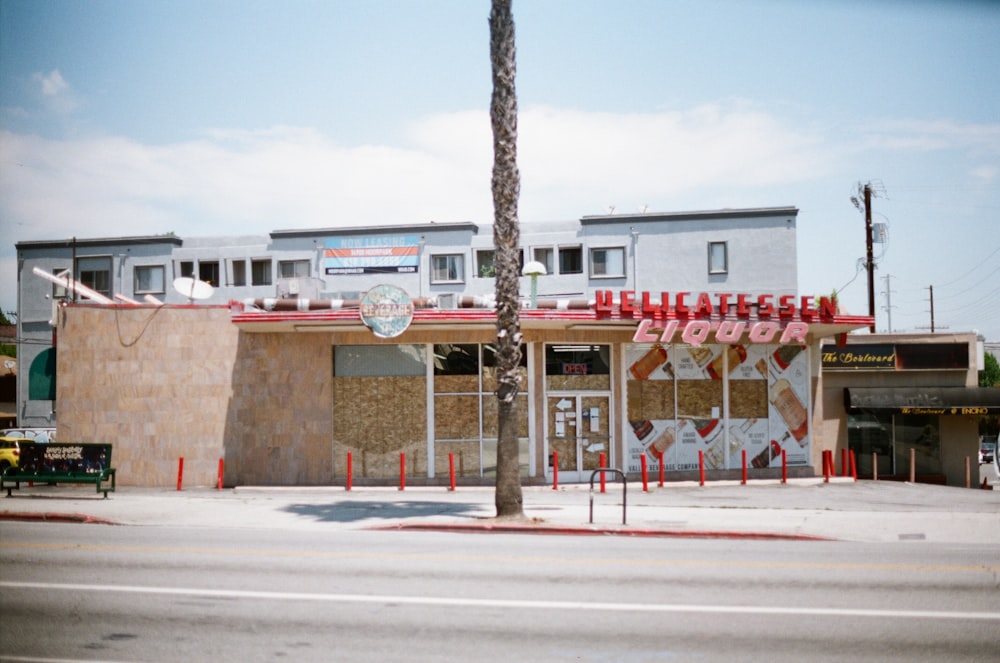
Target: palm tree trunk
[{"x": 506, "y": 185}]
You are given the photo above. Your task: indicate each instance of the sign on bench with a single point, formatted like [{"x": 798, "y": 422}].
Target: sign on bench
[{"x": 61, "y": 463}]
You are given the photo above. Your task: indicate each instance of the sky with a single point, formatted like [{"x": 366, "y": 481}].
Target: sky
[{"x": 232, "y": 117}]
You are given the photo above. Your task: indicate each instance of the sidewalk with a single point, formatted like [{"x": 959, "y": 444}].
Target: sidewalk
[{"x": 801, "y": 509}]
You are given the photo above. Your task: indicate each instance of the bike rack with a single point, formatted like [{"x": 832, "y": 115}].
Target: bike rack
[{"x": 624, "y": 490}]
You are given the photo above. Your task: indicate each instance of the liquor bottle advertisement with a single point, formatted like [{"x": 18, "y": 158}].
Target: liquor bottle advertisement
[
  {"x": 768, "y": 393},
  {"x": 788, "y": 395}
]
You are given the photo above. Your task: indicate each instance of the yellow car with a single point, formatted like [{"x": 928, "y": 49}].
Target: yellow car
[{"x": 10, "y": 450}]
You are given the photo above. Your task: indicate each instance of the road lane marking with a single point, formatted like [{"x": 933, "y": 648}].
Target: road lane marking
[
  {"x": 529, "y": 559},
  {"x": 453, "y": 602}
]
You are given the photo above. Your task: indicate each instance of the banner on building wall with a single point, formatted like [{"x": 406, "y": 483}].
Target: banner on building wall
[
  {"x": 720, "y": 400},
  {"x": 397, "y": 254}
]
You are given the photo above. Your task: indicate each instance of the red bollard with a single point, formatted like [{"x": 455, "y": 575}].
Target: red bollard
[
  {"x": 645, "y": 475},
  {"x": 603, "y": 461},
  {"x": 180, "y": 473},
  {"x": 350, "y": 471},
  {"x": 701, "y": 467},
  {"x": 218, "y": 484},
  {"x": 743, "y": 454},
  {"x": 784, "y": 466},
  {"x": 402, "y": 470},
  {"x": 451, "y": 470},
  {"x": 843, "y": 462},
  {"x": 555, "y": 470},
  {"x": 826, "y": 465},
  {"x": 854, "y": 466},
  {"x": 661, "y": 469}
]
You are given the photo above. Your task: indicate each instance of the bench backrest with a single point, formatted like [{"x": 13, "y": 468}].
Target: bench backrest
[{"x": 64, "y": 458}]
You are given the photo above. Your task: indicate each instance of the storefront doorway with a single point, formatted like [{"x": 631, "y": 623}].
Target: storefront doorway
[{"x": 578, "y": 432}]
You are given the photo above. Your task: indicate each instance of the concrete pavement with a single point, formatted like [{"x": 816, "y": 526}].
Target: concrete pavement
[{"x": 801, "y": 509}]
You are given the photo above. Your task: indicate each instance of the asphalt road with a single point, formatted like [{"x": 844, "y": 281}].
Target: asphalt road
[{"x": 133, "y": 593}]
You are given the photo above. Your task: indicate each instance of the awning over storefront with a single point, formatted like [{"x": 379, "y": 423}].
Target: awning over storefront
[{"x": 923, "y": 400}]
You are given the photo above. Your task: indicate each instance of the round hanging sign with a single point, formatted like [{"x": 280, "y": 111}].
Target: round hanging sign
[{"x": 386, "y": 310}]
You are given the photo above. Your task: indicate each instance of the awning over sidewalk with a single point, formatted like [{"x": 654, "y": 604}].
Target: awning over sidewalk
[{"x": 923, "y": 400}]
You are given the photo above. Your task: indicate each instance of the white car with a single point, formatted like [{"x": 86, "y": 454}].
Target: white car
[{"x": 41, "y": 435}]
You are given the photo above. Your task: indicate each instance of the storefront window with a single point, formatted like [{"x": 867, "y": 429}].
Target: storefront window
[
  {"x": 922, "y": 434},
  {"x": 577, "y": 367},
  {"x": 870, "y": 434}
]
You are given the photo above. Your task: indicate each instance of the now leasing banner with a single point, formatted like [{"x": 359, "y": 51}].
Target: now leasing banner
[{"x": 397, "y": 254}]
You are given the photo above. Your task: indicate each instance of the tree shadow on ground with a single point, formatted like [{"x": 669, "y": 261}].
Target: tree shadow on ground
[{"x": 348, "y": 511}]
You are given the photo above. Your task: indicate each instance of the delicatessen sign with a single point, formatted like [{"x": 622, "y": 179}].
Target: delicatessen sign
[{"x": 692, "y": 317}]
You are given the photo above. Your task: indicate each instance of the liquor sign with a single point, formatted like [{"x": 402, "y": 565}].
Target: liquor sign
[
  {"x": 398, "y": 254},
  {"x": 387, "y": 311}
]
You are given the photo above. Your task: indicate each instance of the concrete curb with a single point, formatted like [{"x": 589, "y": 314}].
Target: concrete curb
[
  {"x": 55, "y": 518},
  {"x": 504, "y": 528}
]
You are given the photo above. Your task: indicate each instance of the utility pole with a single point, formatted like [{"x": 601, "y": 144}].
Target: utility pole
[
  {"x": 931, "y": 288},
  {"x": 869, "y": 255},
  {"x": 888, "y": 300}
]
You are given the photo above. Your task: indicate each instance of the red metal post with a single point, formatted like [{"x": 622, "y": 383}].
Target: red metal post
[
  {"x": 603, "y": 461},
  {"x": 218, "y": 485},
  {"x": 451, "y": 470},
  {"x": 784, "y": 466},
  {"x": 743, "y": 455},
  {"x": 645, "y": 475},
  {"x": 826, "y": 465},
  {"x": 661, "y": 469},
  {"x": 854, "y": 466},
  {"x": 701, "y": 467},
  {"x": 555, "y": 470},
  {"x": 402, "y": 470},
  {"x": 180, "y": 473},
  {"x": 843, "y": 462},
  {"x": 350, "y": 471}
]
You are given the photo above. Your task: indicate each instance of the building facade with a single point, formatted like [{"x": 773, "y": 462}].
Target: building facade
[{"x": 673, "y": 339}]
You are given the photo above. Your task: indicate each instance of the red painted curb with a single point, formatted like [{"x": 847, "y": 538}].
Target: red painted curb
[
  {"x": 489, "y": 528},
  {"x": 55, "y": 518}
]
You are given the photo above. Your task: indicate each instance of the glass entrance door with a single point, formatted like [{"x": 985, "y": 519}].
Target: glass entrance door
[{"x": 578, "y": 430}]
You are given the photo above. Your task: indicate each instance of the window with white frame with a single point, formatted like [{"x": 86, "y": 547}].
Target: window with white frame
[
  {"x": 293, "y": 269},
  {"x": 607, "y": 262},
  {"x": 208, "y": 271},
  {"x": 149, "y": 279},
  {"x": 447, "y": 268},
  {"x": 718, "y": 258}
]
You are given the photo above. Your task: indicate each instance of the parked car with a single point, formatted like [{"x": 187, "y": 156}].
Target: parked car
[
  {"x": 41, "y": 435},
  {"x": 10, "y": 451},
  {"x": 987, "y": 450}
]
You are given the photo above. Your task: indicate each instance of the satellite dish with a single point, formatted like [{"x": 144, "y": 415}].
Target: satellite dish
[{"x": 193, "y": 288}]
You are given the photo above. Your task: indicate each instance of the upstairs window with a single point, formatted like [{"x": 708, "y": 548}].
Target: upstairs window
[
  {"x": 95, "y": 273},
  {"x": 570, "y": 260},
  {"x": 486, "y": 264},
  {"x": 260, "y": 271},
  {"x": 149, "y": 279},
  {"x": 546, "y": 256},
  {"x": 239, "y": 273},
  {"x": 208, "y": 271},
  {"x": 718, "y": 258},
  {"x": 607, "y": 263},
  {"x": 293, "y": 269},
  {"x": 447, "y": 268}
]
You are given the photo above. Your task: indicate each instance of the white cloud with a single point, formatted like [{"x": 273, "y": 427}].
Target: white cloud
[{"x": 56, "y": 92}]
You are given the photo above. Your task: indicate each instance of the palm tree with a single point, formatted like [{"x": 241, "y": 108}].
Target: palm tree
[{"x": 506, "y": 185}]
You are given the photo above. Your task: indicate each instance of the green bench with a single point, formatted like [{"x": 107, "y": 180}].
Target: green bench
[{"x": 61, "y": 462}]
